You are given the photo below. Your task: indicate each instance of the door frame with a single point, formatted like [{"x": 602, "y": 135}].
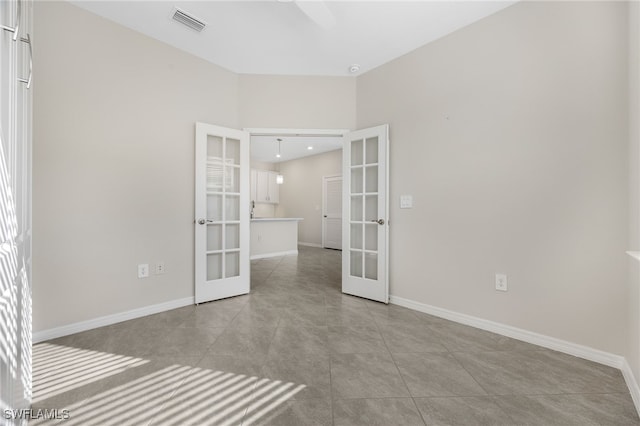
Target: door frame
[
  {"x": 324, "y": 201},
  {"x": 275, "y": 131}
]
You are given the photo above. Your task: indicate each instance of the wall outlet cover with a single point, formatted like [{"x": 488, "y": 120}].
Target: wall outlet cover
[
  {"x": 501, "y": 282},
  {"x": 143, "y": 270}
]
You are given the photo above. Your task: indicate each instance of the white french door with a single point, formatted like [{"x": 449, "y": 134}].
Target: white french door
[
  {"x": 222, "y": 213},
  {"x": 365, "y": 213},
  {"x": 332, "y": 212}
]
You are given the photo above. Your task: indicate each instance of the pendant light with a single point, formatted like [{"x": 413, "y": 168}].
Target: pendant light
[{"x": 279, "y": 177}]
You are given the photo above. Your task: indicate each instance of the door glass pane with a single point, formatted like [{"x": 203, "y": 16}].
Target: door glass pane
[
  {"x": 214, "y": 174},
  {"x": 372, "y": 179},
  {"x": 214, "y": 237},
  {"x": 232, "y": 236},
  {"x": 371, "y": 266},
  {"x": 232, "y": 264},
  {"x": 356, "y": 208},
  {"x": 232, "y": 207},
  {"x": 356, "y": 153},
  {"x": 232, "y": 179},
  {"x": 214, "y": 266},
  {"x": 356, "y": 264},
  {"x": 371, "y": 236},
  {"x": 371, "y": 208},
  {"x": 372, "y": 150},
  {"x": 356, "y": 180},
  {"x": 214, "y": 147},
  {"x": 232, "y": 154},
  {"x": 214, "y": 207},
  {"x": 356, "y": 236}
]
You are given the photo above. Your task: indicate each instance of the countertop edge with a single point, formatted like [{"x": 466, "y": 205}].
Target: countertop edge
[{"x": 276, "y": 219}]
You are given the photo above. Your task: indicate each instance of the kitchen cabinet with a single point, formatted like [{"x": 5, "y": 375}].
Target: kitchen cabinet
[{"x": 264, "y": 188}]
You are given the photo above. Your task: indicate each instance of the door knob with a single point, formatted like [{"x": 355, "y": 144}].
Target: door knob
[
  {"x": 379, "y": 221},
  {"x": 202, "y": 221}
]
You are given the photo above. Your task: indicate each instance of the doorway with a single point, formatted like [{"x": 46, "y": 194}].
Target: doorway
[
  {"x": 332, "y": 212},
  {"x": 363, "y": 201}
]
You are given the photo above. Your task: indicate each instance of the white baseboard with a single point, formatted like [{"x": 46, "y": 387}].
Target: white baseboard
[
  {"x": 632, "y": 384},
  {"x": 559, "y": 345},
  {"x": 301, "y": 243},
  {"x": 65, "y": 330},
  {"x": 275, "y": 254}
]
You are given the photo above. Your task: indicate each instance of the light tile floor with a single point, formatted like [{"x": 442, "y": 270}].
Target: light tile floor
[{"x": 298, "y": 352}]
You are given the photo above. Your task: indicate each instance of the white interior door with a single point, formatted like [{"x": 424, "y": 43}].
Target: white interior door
[
  {"x": 332, "y": 212},
  {"x": 222, "y": 213},
  {"x": 365, "y": 213}
]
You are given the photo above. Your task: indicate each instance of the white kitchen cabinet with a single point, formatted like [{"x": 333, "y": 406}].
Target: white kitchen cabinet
[{"x": 264, "y": 188}]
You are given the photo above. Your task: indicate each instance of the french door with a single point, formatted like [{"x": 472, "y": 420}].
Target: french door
[
  {"x": 365, "y": 213},
  {"x": 222, "y": 213}
]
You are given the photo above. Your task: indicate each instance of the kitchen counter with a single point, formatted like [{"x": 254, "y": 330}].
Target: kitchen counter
[
  {"x": 274, "y": 236},
  {"x": 275, "y": 219}
]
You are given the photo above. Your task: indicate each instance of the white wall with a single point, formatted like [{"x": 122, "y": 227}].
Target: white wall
[
  {"x": 297, "y": 102},
  {"x": 301, "y": 192},
  {"x": 511, "y": 134},
  {"x": 114, "y": 115}
]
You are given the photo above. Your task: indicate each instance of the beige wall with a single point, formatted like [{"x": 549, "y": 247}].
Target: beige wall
[
  {"x": 511, "y": 134},
  {"x": 633, "y": 345},
  {"x": 301, "y": 192},
  {"x": 114, "y": 115},
  {"x": 297, "y": 102}
]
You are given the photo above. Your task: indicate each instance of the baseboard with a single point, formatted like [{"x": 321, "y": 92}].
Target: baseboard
[
  {"x": 275, "y": 254},
  {"x": 65, "y": 330},
  {"x": 559, "y": 345},
  {"x": 301, "y": 243},
  {"x": 632, "y": 384}
]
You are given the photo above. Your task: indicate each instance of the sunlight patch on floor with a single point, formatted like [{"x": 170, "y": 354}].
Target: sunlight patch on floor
[
  {"x": 172, "y": 395},
  {"x": 58, "y": 369}
]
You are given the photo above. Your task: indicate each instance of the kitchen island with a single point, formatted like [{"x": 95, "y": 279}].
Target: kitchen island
[{"x": 274, "y": 236}]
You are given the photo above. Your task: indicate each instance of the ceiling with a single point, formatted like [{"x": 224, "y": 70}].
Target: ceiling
[
  {"x": 265, "y": 148},
  {"x": 297, "y": 37}
]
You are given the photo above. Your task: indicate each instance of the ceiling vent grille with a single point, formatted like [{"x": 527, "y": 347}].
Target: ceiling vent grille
[{"x": 190, "y": 21}]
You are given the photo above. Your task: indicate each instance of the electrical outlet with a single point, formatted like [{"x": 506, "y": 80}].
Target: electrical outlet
[
  {"x": 160, "y": 268},
  {"x": 501, "y": 282},
  {"x": 143, "y": 270}
]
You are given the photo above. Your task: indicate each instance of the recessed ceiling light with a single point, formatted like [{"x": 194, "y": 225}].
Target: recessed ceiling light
[
  {"x": 309, "y": 148},
  {"x": 354, "y": 68}
]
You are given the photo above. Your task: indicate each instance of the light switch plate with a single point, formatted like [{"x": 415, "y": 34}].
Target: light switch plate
[{"x": 406, "y": 201}]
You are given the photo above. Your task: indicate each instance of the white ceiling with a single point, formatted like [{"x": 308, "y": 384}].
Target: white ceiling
[
  {"x": 275, "y": 37},
  {"x": 265, "y": 148}
]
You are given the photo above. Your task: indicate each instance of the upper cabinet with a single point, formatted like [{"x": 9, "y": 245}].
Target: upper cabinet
[{"x": 264, "y": 188}]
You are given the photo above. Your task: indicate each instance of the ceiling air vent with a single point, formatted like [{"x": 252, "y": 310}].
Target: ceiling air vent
[{"x": 190, "y": 21}]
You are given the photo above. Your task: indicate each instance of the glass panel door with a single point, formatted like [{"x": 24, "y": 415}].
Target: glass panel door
[
  {"x": 222, "y": 215},
  {"x": 365, "y": 224}
]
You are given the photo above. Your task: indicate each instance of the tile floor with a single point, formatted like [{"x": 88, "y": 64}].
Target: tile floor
[{"x": 298, "y": 352}]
